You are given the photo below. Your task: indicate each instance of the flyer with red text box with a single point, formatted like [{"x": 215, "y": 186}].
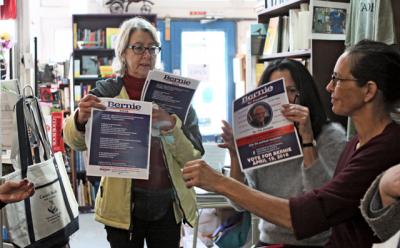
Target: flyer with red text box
[
  {"x": 119, "y": 139},
  {"x": 263, "y": 136}
]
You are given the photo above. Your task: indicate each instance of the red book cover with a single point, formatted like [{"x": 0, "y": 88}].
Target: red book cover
[{"x": 57, "y": 119}]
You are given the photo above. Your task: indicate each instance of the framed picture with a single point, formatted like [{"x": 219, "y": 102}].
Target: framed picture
[{"x": 329, "y": 20}]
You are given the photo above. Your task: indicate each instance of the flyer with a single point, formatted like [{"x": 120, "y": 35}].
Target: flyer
[
  {"x": 171, "y": 92},
  {"x": 9, "y": 94},
  {"x": 263, "y": 136},
  {"x": 119, "y": 139}
]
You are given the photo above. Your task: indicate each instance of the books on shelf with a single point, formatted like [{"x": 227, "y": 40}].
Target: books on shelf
[
  {"x": 289, "y": 33},
  {"x": 87, "y": 38},
  {"x": 272, "y": 3},
  {"x": 85, "y": 193},
  {"x": 81, "y": 90}
]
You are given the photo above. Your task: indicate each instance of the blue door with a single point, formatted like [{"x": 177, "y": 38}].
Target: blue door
[{"x": 204, "y": 51}]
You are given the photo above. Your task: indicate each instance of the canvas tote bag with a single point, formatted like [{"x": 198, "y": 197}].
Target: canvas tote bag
[{"x": 50, "y": 216}]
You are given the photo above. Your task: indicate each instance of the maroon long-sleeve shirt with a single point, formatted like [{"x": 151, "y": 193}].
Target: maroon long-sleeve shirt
[{"x": 336, "y": 204}]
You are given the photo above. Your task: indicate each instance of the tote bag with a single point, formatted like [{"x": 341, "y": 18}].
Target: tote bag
[{"x": 50, "y": 216}]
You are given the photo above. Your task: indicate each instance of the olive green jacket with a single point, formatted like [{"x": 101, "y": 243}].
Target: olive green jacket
[{"x": 114, "y": 199}]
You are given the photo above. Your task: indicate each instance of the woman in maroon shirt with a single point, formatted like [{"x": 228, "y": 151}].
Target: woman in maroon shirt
[{"x": 365, "y": 85}]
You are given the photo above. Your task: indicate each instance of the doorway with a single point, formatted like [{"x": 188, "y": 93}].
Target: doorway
[{"x": 203, "y": 49}]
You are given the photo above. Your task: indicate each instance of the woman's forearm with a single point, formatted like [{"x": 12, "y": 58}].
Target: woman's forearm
[
  {"x": 273, "y": 209},
  {"x": 235, "y": 171},
  {"x": 309, "y": 156}
]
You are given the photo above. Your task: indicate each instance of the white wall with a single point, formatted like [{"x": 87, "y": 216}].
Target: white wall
[
  {"x": 182, "y": 8},
  {"x": 51, "y": 19}
]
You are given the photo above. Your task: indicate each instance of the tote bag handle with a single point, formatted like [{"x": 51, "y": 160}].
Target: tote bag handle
[{"x": 36, "y": 121}]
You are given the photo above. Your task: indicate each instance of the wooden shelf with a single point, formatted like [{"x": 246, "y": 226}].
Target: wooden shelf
[
  {"x": 87, "y": 79},
  {"x": 279, "y": 9},
  {"x": 85, "y": 50},
  {"x": 296, "y": 54},
  {"x": 95, "y": 51}
]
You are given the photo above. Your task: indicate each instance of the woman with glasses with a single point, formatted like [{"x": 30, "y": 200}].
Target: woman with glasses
[
  {"x": 137, "y": 210},
  {"x": 366, "y": 87},
  {"x": 322, "y": 142}
]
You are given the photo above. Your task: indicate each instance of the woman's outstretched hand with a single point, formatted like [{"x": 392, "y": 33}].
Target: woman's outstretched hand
[
  {"x": 14, "y": 191},
  {"x": 199, "y": 173},
  {"x": 227, "y": 136}
]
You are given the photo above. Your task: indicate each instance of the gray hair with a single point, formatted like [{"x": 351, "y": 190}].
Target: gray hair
[{"x": 127, "y": 28}]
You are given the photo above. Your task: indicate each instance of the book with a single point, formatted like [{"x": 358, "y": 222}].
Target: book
[
  {"x": 271, "y": 41},
  {"x": 77, "y": 67},
  {"x": 258, "y": 32},
  {"x": 9, "y": 95},
  {"x": 305, "y": 24},
  {"x": 171, "y": 92},
  {"x": 285, "y": 34},
  {"x": 75, "y": 30},
  {"x": 262, "y": 135},
  {"x": 77, "y": 94},
  {"x": 106, "y": 71},
  {"x": 118, "y": 139},
  {"x": 57, "y": 143},
  {"x": 294, "y": 30},
  {"x": 90, "y": 66},
  {"x": 111, "y": 37}
]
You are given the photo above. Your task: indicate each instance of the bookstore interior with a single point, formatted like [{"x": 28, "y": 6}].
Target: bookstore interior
[{"x": 67, "y": 114}]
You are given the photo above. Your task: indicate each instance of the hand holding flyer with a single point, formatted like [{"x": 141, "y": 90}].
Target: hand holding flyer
[
  {"x": 263, "y": 136},
  {"x": 119, "y": 139},
  {"x": 171, "y": 92}
]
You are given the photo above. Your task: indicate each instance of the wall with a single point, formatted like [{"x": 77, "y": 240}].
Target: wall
[
  {"x": 51, "y": 19},
  {"x": 182, "y": 8}
]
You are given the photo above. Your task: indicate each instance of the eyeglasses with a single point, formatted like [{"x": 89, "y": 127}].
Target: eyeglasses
[
  {"x": 335, "y": 79},
  {"x": 139, "y": 49},
  {"x": 292, "y": 91}
]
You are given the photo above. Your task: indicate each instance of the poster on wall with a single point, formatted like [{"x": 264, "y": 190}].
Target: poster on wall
[
  {"x": 119, "y": 139},
  {"x": 263, "y": 136}
]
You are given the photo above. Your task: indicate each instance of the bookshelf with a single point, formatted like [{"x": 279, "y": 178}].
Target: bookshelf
[
  {"x": 93, "y": 39},
  {"x": 300, "y": 54},
  {"x": 93, "y": 36},
  {"x": 321, "y": 56}
]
